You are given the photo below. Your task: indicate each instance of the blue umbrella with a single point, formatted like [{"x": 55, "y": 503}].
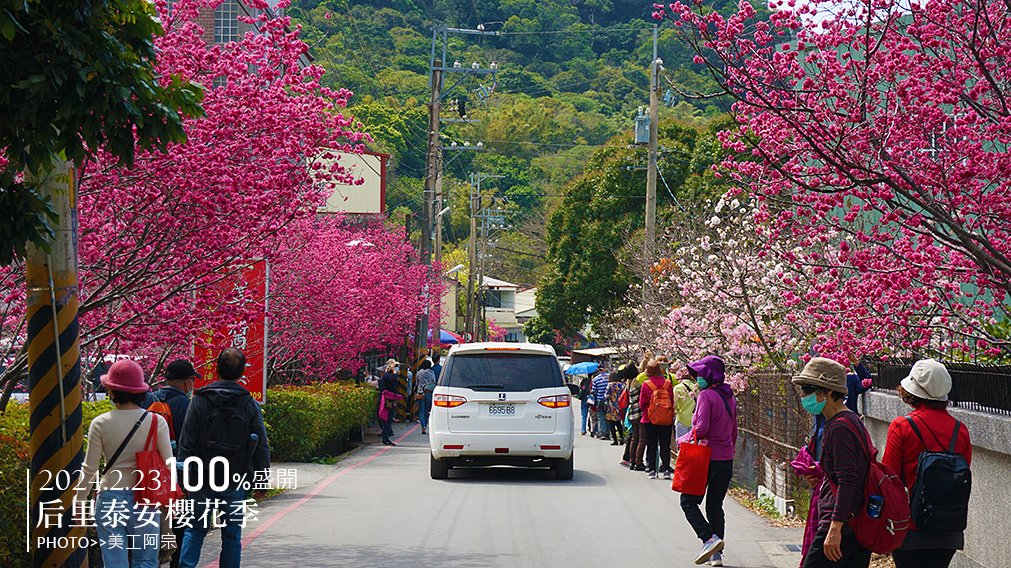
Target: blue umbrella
[
  {"x": 584, "y": 368},
  {"x": 445, "y": 337}
]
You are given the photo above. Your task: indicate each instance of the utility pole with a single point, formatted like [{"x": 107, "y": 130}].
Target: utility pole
[
  {"x": 431, "y": 175},
  {"x": 54, "y": 376},
  {"x": 475, "y": 207},
  {"x": 654, "y": 111},
  {"x": 437, "y": 246}
]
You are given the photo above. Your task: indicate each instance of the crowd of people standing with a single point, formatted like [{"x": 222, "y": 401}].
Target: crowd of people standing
[
  {"x": 648, "y": 405},
  {"x": 638, "y": 406}
]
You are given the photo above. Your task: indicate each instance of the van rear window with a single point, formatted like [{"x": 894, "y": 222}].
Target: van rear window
[{"x": 514, "y": 372}]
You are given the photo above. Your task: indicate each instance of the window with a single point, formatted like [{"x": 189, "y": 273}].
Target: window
[
  {"x": 501, "y": 372},
  {"x": 493, "y": 298},
  {"x": 226, "y": 22}
]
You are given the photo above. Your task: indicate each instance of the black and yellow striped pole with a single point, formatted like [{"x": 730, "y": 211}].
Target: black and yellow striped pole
[{"x": 54, "y": 378}]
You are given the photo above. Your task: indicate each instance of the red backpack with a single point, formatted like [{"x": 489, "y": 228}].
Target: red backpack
[
  {"x": 661, "y": 407},
  {"x": 885, "y": 532}
]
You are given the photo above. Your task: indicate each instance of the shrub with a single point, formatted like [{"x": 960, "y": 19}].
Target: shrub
[
  {"x": 14, "y": 462},
  {"x": 303, "y": 421}
]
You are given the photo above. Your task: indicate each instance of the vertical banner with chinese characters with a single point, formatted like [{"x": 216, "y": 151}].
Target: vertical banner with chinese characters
[{"x": 244, "y": 289}]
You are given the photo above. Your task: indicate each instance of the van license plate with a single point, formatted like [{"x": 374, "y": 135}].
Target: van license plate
[{"x": 502, "y": 410}]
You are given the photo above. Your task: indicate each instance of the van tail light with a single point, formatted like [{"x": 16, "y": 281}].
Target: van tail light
[
  {"x": 551, "y": 447},
  {"x": 557, "y": 401},
  {"x": 448, "y": 400}
]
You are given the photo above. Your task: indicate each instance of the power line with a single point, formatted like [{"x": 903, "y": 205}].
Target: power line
[{"x": 576, "y": 31}]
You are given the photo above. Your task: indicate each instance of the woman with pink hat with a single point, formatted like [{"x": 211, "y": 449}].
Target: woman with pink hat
[{"x": 117, "y": 436}]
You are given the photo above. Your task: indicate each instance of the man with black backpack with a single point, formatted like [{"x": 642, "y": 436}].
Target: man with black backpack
[
  {"x": 931, "y": 452},
  {"x": 223, "y": 421}
]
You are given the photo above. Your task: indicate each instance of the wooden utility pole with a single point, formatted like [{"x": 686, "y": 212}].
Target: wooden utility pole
[
  {"x": 475, "y": 207},
  {"x": 654, "y": 111},
  {"x": 431, "y": 175}
]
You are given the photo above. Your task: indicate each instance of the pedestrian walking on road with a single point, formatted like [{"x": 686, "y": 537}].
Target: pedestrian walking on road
[
  {"x": 600, "y": 381},
  {"x": 223, "y": 421},
  {"x": 117, "y": 436},
  {"x": 636, "y": 446},
  {"x": 714, "y": 424},
  {"x": 179, "y": 379},
  {"x": 389, "y": 386},
  {"x": 585, "y": 389},
  {"x": 657, "y": 402},
  {"x": 616, "y": 402},
  {"x": 928, "y": 428},
  {"x": 845, "y": 462},
  {"x": 426, "y": 386}
]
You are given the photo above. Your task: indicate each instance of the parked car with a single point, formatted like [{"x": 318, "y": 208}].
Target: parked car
[{"x": 502, "y": 404}]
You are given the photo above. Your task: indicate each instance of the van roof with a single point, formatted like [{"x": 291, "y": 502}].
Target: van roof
[{"x": 502, "y": 346}]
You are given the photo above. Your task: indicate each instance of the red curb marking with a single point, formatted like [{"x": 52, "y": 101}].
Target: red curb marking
[{"x": 315, "y": 491}]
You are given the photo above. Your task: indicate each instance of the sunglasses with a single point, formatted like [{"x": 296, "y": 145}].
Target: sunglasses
[{"x": 809, "y": 389}]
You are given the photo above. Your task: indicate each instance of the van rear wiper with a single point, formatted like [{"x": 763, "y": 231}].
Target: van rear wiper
[{"x": 488, "y": 387}]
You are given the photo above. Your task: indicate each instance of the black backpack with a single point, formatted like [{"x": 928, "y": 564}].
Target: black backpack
[
  {"x": 940, "y": 496},
  {"x": 227, "y": 433}
]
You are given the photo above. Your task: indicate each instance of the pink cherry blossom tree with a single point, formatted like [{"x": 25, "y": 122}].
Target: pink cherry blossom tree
[
  {"x": 876, "y": 139},
  {"x": 341, "y": 287},
  {"x": 154, "y": 237}
]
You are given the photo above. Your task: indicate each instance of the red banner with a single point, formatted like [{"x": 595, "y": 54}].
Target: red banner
[{"x": 245, "y": 289}]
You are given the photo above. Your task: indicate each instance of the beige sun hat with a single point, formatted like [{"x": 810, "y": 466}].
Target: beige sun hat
[
  {"x": 929, "y": 380},
  {"x": 822, "y": 372}
]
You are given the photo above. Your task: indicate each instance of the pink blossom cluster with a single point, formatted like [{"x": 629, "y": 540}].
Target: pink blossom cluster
[
  {"x": 875, "y": 141},
  {"x": 245, "y": 185}
]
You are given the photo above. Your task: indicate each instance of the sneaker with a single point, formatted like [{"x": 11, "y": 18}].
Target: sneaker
[
  {"x": 651, "y": 475},
  {"x": 666, "y": 474},
  {"x": 614, "y": 443},
  {"x": 716, "y": 560},
  {"x": 625, "y": 463},
  {"x": 637, "y": 467},
  {"x": 711, "y": 547}
]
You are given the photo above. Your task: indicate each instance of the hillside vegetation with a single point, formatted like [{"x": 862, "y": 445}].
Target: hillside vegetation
[{"x": 555, "y": 120}]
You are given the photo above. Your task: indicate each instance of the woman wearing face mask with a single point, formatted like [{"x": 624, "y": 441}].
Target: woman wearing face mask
[
  {"x": 845, "y": 462},
  {"x": 715, "y": 424}
]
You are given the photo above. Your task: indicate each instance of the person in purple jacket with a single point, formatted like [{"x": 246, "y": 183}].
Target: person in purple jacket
[{"x": 714, "y": 424}]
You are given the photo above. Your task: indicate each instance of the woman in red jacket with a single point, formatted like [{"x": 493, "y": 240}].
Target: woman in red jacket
[{"x": 926, "y": 390}]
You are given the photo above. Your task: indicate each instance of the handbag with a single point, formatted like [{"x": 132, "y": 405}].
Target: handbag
[
  {"x": 155, "y": 486},
  {"x": 691, "y": 470}
]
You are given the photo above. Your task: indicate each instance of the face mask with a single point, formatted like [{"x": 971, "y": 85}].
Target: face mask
[
  {"x": 702, "y": 382},
  {"x": 811, "y": 404}
]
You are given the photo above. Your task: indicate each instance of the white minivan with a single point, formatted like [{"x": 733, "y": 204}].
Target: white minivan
[{"x": 502, "y": 404}]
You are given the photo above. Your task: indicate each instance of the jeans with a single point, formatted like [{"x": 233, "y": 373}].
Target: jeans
[
  {"x": 387, "y": 427},
  {"x": 657, "y": 434},
  {"x": 426, "y": 410},
  {"x": 853, "y": 555},
  {"x": 714, "y": 522},
  {"x": 231, "y": 532},
  {"x": 925, "y": 558},
  {"x": 130, "y": 536},
  {"x": 584, "y": 409}
]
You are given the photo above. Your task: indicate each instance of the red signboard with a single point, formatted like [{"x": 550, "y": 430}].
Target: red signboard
[{"x": 245, "y": 288}]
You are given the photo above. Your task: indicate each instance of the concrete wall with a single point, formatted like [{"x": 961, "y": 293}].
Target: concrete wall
[{"x": 987, "y": 540}]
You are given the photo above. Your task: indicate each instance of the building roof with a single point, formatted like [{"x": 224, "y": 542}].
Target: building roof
[{"x": 489, "y": 282}]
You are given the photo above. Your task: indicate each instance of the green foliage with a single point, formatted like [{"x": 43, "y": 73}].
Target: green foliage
[
  {"x": 601, "y": 210},
  {"x": 304, "y": 421},
  {"x": 77, "y": 77},
  {"x": 14, "y": 462}
]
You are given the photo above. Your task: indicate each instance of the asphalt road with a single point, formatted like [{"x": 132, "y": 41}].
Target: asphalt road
[{"x": 378, "y": 508}]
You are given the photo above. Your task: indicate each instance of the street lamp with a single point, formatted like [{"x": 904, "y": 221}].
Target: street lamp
[{"x": 454, "y": 270}]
